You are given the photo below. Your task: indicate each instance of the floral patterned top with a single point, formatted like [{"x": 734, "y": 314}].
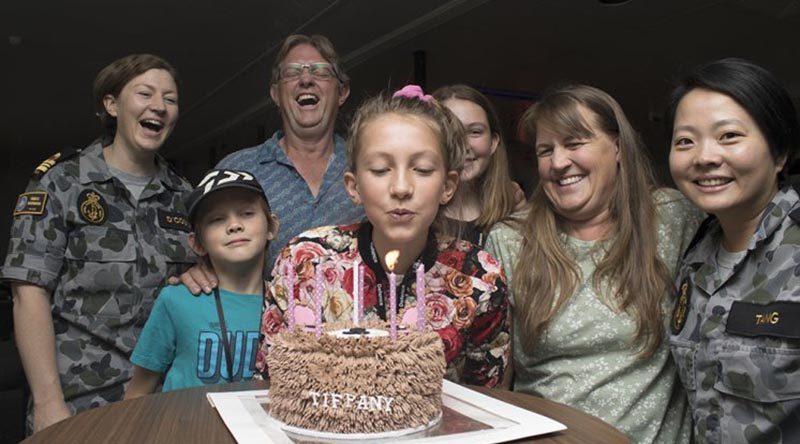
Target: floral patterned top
[{"x": 465, "y": 288}]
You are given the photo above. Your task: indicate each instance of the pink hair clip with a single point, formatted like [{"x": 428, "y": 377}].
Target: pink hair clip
[{"x": 413, "y": 92}]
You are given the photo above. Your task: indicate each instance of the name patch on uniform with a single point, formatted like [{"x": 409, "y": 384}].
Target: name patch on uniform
[
  {"x": 92, "y": 207},
  {"x": 681, "y": 307},
  {"x": 176, "y": 221},
  {"x": 32, "y": 203},
  {"x": 777, "y": 319}
]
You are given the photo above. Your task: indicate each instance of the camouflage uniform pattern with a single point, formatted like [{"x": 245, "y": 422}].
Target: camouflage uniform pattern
[
  {"x": 743, "y": 386},
  {"x": 103, "y": 270}
]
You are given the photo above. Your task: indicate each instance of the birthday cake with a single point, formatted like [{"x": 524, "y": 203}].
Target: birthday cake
[{"x": 349, "y": 382}]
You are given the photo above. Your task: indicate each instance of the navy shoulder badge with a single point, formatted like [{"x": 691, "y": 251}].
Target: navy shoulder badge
[{"x": 52, "y": 160}]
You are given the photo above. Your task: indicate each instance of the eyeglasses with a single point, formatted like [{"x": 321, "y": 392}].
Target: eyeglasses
[{"x": 319, "y": 71}]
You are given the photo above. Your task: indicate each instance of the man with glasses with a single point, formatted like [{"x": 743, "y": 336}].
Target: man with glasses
[{"x": 301, "y": 167}]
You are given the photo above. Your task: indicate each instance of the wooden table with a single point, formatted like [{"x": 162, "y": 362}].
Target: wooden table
[{"x": 185, "y": 416}]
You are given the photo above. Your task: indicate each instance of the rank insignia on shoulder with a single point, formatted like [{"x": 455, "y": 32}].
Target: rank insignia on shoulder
[
  {"x": 52, "y": 160},
  {"x": 33, "y": 203},
  {"x": 681, "y": 307},
  {"x": 176, "y": 221},
  {"x": 92, "y": 207}
]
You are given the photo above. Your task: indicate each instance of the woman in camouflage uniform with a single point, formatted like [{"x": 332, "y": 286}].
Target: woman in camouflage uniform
[
  {"x": 93, "y": 236},
  {"x": 735, "y": 331}
]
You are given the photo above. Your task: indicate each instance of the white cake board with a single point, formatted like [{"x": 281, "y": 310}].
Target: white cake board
[
  {"x": 249, "y": 423},
  {"x": 338, "y": 437}
]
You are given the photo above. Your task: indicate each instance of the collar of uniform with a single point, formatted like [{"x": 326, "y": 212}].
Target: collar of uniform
[
  {"x": 784, "y": 201},
  {"x": 93, "y": 167},
  {"x": 171, "y": 181},
  {"x": 702, "y": 259}
]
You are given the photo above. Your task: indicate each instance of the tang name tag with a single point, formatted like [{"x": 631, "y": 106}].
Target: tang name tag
[
  {"x": 33, "y": 203},
  {"x": 176, "y": 221},
  {"x": 778, "y": 319}
]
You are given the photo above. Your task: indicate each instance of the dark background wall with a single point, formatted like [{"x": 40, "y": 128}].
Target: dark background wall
[
  {"x": 50, "y": 52},
  {"x": 513, "y": 49}
]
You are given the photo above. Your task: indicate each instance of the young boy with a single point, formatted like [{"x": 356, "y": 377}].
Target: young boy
[{"x": 211, "y": 339}]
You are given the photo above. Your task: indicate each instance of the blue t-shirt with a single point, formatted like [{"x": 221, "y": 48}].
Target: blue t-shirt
[{"x": 182, "y": 337}]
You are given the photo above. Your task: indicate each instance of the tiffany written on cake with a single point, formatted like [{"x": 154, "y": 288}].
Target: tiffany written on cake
[{"x": 350, "y": 401}]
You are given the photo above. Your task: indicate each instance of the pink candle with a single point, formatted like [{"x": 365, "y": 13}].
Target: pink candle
[
  {"x": 391, "y": 260},
  {"x": 421, "y": 311},
  {"x": 392, "y": 305},
  {"x": 318, "y": 300},
  {"x": 361, "y": 270},
  {"x": 356, "y": 290},
  {"x": 290, "y": 295}
]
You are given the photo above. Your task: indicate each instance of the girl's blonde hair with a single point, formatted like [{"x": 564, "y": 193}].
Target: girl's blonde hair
[
  {"x": 444, "y": 124},
  {"x": 546, "y": 275},
  {"x": 498, "y": 194}
]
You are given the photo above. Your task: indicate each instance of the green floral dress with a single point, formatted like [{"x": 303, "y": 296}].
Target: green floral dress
[{"x": 588, "y": 359}]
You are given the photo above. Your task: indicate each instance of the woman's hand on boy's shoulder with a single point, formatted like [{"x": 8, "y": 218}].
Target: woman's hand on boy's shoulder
[{"x": 198, "y": 279}]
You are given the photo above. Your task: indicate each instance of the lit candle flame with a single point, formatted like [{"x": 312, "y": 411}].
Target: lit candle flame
[{"x": 391, "y": 259}]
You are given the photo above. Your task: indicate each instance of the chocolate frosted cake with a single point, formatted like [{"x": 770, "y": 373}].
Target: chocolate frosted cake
[{"x": 355, "y": 383}]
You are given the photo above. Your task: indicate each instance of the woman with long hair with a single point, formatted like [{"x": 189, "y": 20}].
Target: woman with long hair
[
  {"x": 485, "y": 194},
  {"x": 590, "y": 268}
]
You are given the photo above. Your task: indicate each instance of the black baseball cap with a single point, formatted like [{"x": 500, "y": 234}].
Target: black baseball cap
[{"x": 216, "y": 180}]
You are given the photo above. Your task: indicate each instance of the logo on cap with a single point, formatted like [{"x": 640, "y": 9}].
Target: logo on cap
[{"x": 212, "y": 179}]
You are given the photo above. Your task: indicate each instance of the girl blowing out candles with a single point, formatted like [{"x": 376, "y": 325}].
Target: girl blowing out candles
[{"x": 404, "y": 154}]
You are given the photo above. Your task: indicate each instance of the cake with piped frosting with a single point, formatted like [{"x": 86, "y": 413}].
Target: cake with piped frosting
[{"x": 351, "y": 382}]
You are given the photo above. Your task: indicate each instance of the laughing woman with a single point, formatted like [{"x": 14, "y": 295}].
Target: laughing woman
[
  {"x": 590, "y": 270},
  {"x": 735, "y": 334},
  {"x": 93, "y": 236}
]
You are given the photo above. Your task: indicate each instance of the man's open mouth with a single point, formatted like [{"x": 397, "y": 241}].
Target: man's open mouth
[{"x": 307, "y": 99}]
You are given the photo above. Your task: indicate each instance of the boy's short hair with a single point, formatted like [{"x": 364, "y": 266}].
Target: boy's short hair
[{"x": 215, "y": 180}]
